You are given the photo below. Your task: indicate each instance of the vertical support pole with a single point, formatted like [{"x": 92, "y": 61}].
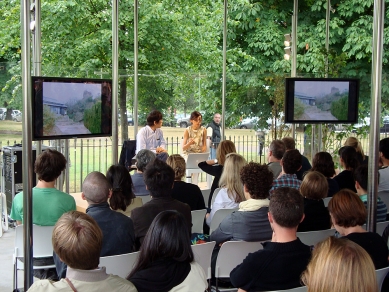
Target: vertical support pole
[
  {"x": 115, "y": 79},
  {"x": 294, "y": 50},
  {"x": 27, "y": 144},
  {"x": 375, "y": 111},
  {"x": 224, "y": 82},
  {"x": 136, "y": 39}
]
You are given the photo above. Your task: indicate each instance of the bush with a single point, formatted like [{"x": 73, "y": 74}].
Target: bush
[
  {"x": 299, "y": 108},
  {"x": 339, "y": 108},
  {"x": 92, "y": 118},
  {"x": 48, "y": 120}
]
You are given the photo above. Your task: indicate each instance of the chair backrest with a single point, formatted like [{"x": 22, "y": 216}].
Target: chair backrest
[
  {"x": 218, "y": 217},
  {"x": 203, "y": 254},
  {"x": 198, "y": 220},
  {"x": 42, "y": 246},
  {"x": 298, "y": 289},
  {"x": 384, "y": 196},
  {"x": 326, "y": 201},
  {"x": 206, "y": 193},
  {"x": 215, "y": 192},
  {"x": 231, "y": 254},
  {"x": 120, "y": 265},
  {"x": 380, "y": 227},
  {"x": 313, "y": 237},
  {"x": 127, "y": 153},
  {"x": 381, "y": 274},
  {"x": 145, "y": 199}
]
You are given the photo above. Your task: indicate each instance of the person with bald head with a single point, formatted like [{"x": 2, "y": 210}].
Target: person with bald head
[{"x": 117, "y": 228}]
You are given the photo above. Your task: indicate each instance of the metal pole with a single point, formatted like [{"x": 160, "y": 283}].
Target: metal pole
[
  {"x": 375, "y": 110},
  {"x": 294, "y": 50},
  {"x": 27, "y": 144},
  {"x": 115, "y": 79},
  {"x": 67, "y": 175},
  {"x": 224, "y": 82},
  {"x": 135, "y": 116}
]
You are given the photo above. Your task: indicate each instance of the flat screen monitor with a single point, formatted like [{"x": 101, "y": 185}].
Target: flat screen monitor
[
  {"x": 321, "y": 100},
  {"x": 66, "y": 108}
]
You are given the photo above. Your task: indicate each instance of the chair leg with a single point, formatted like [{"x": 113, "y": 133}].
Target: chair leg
[{"x": 15, "y": 284}]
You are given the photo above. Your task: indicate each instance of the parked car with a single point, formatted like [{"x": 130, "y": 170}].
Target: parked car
[
  {"x": 3, "y": 112},
  {"x": 16, "y": 116},
  {"x": 183, "y": 122}
]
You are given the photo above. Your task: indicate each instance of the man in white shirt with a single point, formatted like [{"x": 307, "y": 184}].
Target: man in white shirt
[{"x": 151, "y": 136}]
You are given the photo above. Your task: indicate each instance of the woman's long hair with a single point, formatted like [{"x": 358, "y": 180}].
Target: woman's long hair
[
  {"x": 122, "y": 187},
  {"x": 225, "y": 147},
  {"x": 349, "y": 157},
  {"x": 230, "y": 178},
  {"x": 167, "y": 238}
]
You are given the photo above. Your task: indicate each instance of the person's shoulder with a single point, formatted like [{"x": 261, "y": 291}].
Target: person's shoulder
[
  {"x": 119, "y": 284},
  {"x": 47, "y": 285}
]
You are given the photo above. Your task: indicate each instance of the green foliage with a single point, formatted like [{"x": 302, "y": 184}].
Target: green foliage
[
  {"x": 339, "y": 108},
  {"x": 298, "y": 108},
  {"x": 48, "y": 120},
  {"x": 92, "y": 118}
]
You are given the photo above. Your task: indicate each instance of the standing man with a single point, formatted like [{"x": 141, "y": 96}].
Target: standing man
[
  {"x": 214, "y": 133},
  {"x": 151, "y": 136}
]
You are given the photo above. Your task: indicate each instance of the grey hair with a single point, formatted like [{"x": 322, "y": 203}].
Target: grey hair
[{"x": 143, "y": 158}]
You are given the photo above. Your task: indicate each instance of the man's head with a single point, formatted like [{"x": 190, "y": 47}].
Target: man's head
[
  {"x": 159, "y": 178},
  {"x": 289, "y": 142},
  {"x": 144, "y": 157},
  {"x": 96, "y": 188},
  {"x": 286, "y": 207},
  {"x": 291, "y": 161},
  {"x": 154, "y": 118},
  {"x": 77, "y": 240},
  {"x": 49, "y": 165},
  {"x": 217, "y": 118},
  {"x": 257, "y": 180},
  {"x": 384, "y": 148},
  {"x": 277, "y": 150}
]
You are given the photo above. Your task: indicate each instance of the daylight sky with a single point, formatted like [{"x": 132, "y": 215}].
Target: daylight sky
[
  {"x": 319, "y": 88},
  {"x": 63, "y": 92}
]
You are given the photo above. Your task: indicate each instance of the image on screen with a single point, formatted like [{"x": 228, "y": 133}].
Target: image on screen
[{"x": 66, "y": 108}]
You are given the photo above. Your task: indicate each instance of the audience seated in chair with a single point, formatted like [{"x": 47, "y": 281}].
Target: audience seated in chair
[
  {"x": 117, "y": 228},
  {"x": 353, "y": 142},
  {"x": 384, "y": 160},
  {"x": 314, "y": 188},
  {"x": 349, "y": 162},
  {"x": 276, "y": 152},
  {"x": 78, "y": 240},
  {"x": 361, "y": 176},
  {"x": 184, "y": 192},
  {"x": 143, "y": 158},
  {"x": 279, "y": 265},
  {"x": 348, "y": 214},
  {"x": 323, "y": 163},
  {"x": 290, "y": 144},
  {"x": 214, "y": 167},
  {"x": 231, "y": 192},
  {"x": 339, "y": 264},
  {"x": 159, "y": 179},
  {"x": 166, "y": 261},
  {"x": 290, "y": 163}
]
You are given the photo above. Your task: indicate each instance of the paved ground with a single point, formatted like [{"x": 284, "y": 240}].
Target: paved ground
[{"x": 6, "y": 266}]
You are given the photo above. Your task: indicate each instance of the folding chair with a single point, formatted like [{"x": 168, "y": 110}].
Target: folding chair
[
  {"x": 203, "y": 254},
  {"x": 298, "y": 289},
  {"x": 380, "y": 227},
  {"x": 206, "y": 193},
  {"x": 120, "y": 265},
  {"x": 198, "y": 220},
  {"x": 42, "y": 248},
  {"x": 3, "y": 214},
  {"x": 231, "y": 254},
  {"x": 326, "y": 201},
  {"x": 381, "y": 274},
  {"x": 313, "y": 237},
  {"x": 145, "y": 199},
  {"x": 218, "y": 217}
]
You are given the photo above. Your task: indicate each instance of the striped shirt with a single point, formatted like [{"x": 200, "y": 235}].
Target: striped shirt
[{"x": 381, "y": 208}]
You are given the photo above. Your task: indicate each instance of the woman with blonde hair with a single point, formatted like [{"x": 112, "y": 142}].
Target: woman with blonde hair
[
  {"x": 214, "y": 167},
  {"x": 231, "y": 192},
  {"x": 184, "y": 192},
  {"x": 340, "y": 265},
  {"x": 355, "y": 143}
]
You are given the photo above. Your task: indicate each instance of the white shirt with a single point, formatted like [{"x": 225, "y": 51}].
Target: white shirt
[
  {"x": 222, "y": 201},
  {"x": 149, "y": 139},
  {"x": 384, "y": 179}
]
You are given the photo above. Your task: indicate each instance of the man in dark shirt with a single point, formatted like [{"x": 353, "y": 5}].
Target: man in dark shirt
[
  {"x": 159, "y": 179},
  {"x": 290, "y": 144},
  {"x": 279, "y": 265}
]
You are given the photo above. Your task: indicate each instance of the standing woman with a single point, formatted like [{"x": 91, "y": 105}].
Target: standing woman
[
  {"x": 214, "y": 167},
  {"x": 231, "y": 192},
  {"x": 166, "y": 261},
  {"x": 123, "y": 198},
  {"x": 195, "y": 136}
]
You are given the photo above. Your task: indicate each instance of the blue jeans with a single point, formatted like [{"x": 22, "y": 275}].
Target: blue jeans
[{"x": 213, "y": 153}]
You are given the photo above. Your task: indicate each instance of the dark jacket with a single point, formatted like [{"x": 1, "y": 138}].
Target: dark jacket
[
  {"x": 189, "y": 194},
  {"x": 216, "y": 135},
  {"x": 143, "y": 216},
  {"x": 345, "y": 180},
  {"x": 316, "y": 216},
  {"x": 117, "y": 228},
  {"x": 305, "y": 166}
]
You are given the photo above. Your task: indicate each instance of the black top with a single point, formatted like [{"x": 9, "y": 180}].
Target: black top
[
  {"x": 117, "y": 228},
  {"x": 214, "y": 170},
  {"x": 345, "y": 180},
  {"x": 333, "y": 187},
  {"x": 277, "y": 267},
  {"x": 374, "y": 245},
  {"x": 316, "y": 216},
  {"x": 305, "y": 166},
  {"x": 188, "y": 193}
]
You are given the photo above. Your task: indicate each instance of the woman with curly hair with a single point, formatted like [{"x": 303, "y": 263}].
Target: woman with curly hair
[{"x": 322, "y": 162}]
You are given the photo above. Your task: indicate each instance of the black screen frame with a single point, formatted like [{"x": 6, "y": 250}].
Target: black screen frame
[
  {"x": 352, "y": 116},
  {"x": 37, "y": 108}
]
